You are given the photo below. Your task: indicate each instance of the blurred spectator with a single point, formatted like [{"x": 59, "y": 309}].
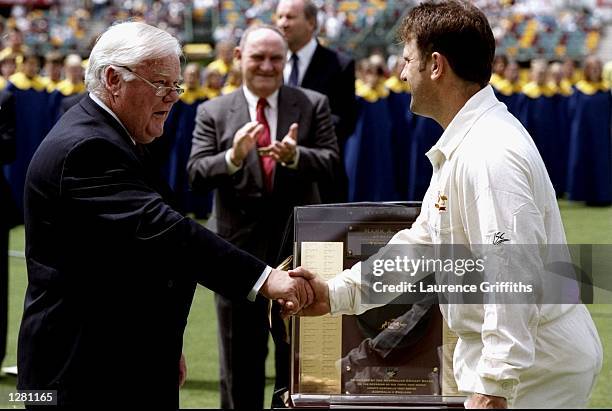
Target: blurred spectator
[
  {"x": 73, "y": 69},
  {"x": 53, "y": 70},
  {"x": 557, "y": 80},
  {"x": 509, "y": 89},
  {"x": 14, "y": 45},
  {"x": 499, "y": 65},
  {"x": 590, "y": 164},
  {"x": 8, "y": 67},
  {"x": 28, "y": 76},
  {"x": 233, "y": 80},
  {"x": 224, "y": 57},
  {"x": 213, "y": 82},
  {"x": 192, "y": 84},
  {"x": 569, "y": 71}
]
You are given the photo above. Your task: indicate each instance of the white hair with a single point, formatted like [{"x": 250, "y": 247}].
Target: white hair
[{"x": 127, "y": 44}]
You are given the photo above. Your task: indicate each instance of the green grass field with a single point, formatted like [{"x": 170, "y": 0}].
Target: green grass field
[{"x": 583, "y": 225}]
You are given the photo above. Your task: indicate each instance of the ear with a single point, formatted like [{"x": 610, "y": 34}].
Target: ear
[
  {"x": 237, "y": 53},
  {"x": 113, "y": 80},
  {"x": 438, "y": 65}
]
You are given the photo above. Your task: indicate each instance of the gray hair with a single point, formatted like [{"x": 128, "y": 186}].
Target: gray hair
[{"x": 127, "y": 44}]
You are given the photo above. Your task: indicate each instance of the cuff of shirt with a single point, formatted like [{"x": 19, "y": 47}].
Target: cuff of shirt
[
  {"x": 293, "y": 164},
  {"x": 340, "y": 301},
  {"x": 262, "y": 279},
  {"x": 231, "y": 167},
  {"x": 502, "y": 388}
]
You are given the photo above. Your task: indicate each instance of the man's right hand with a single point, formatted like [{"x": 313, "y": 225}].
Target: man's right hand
[
  {"x": 245, "y": 140},
  {"x": 321, "y": 304}
]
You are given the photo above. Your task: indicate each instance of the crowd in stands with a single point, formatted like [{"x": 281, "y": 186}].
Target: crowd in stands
[
  {"x": 549, "y": 100},
  {"x": 524, "y": 29}
]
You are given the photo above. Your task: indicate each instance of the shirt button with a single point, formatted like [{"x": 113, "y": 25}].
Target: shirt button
[{"x": 170, "y": 283}]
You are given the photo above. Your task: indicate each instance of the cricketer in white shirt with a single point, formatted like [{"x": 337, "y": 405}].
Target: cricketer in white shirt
[{"x": 494, "y": 181}]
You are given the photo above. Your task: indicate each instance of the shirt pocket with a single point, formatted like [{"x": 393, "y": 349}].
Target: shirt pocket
[{"x": 439, "y": 226}]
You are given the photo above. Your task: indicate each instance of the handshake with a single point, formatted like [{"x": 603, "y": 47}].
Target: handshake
[{"x": 299, "y": 292}]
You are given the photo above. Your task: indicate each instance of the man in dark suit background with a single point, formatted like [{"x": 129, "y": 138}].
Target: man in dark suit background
[
  {"x": 8, "y": 217},
  {"x": 112, "y": 267},
  {"x": 313, "y": 66},
  {"x": 291, "y": 130}
]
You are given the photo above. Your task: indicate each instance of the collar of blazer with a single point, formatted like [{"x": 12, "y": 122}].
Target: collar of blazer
[{"x": 107, "y": 119}]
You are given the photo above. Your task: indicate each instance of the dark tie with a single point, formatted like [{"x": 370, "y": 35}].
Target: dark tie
[
  {"x": 295, "y": 71},
  {"x": 267, "y": 162}
]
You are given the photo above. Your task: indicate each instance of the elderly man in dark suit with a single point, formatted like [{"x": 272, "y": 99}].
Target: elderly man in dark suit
[
  {"x": 264, "y": 148},
  {"x": 112, "y": 267},
  {"x": 315, "y": 67},
  {"x": 8, "y": 217}
]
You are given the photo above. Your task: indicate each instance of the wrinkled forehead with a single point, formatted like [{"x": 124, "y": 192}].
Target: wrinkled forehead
[
  {"x": 169, "y": 67},
  {"x": 265, "y": 41}
]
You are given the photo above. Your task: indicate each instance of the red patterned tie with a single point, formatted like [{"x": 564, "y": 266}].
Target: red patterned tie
[{"x": 267, "y": 163}]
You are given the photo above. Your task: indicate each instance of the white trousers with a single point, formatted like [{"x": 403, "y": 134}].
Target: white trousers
[{"x": 568, "y": 360}]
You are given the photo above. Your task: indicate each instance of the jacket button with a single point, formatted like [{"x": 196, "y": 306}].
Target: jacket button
[{"x": 170, "y": 283}]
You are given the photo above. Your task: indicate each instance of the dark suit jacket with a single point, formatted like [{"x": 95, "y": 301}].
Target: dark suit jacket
[
  {"x": 333, "y": 74},
  {"x": 111, "y": 268},
  {"x": 243, "y": 212},
  {"x": 9, "y": 216}
]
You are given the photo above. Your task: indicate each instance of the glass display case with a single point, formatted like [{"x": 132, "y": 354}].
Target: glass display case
[{"x": 395, "y": 355}]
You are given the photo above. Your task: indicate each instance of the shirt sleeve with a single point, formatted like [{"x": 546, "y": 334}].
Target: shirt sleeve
[
  {"x": 345, "y": 289},
  {"x": 259, "y": 283},
  {"x": 508, "y": 225}
]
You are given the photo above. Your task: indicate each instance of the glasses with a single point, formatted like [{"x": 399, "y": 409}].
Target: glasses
[{"x": 160, "y": 91}]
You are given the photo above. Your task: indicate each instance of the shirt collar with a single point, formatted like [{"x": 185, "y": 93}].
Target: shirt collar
[
  {"x": 252, "y": 99},
  {"x": 461, "y": 124},
  {"x": 99, "y": 102},
  {"x": 305, "y": 53}
]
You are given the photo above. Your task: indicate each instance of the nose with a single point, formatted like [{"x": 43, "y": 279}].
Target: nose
[
  {"x": 266, "y": 65},
  {"x": 171, "y": 97}
]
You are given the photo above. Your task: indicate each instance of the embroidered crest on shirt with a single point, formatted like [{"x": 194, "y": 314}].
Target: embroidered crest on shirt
[
  {"x": 441, "y": 203},
  {"x": 498, "y": 238}
]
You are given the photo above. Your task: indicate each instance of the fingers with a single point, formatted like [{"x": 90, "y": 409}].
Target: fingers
[
  {"x": 302, "y": 272},
  {"x": 293, "y": 132},
  {"x": 306, "y": 293}
]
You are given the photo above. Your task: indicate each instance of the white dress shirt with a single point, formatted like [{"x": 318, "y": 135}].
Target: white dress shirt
[
  {"x": 487, "y": 165},
  {"x": 305, "y": 56}
]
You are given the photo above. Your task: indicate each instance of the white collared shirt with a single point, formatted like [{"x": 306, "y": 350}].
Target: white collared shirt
[
  {"x": 99, "y": 102},
  {"x": 305, "y": 56},
  {"x": 495, "y": 181},
  {"x": 271, "y": 110}
]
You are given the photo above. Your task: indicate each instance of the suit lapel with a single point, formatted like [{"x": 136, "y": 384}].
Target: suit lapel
[
  {"x": 313, "y": 68},
  {"x": 238, "y": 116},
  {"x": 104, "y": 117}
]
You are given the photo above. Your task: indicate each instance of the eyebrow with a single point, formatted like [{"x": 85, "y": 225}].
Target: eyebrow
[{"x": 163, "y": 74}]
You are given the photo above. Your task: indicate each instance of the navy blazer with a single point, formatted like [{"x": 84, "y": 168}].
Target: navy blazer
[
  {"x": 333, "y": 73},
  {"x": 112, "y": 268}
]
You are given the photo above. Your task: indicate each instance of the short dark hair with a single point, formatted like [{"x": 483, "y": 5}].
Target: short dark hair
[{"x": 456, "y": 29}]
